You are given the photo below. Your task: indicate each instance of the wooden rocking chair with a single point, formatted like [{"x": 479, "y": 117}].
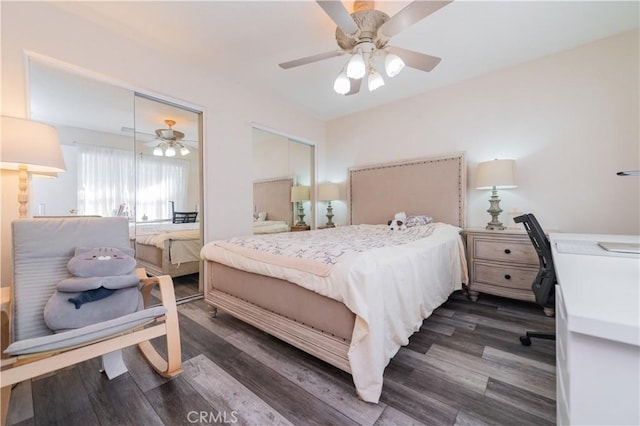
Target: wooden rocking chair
[{"x": 41, "y": 250}]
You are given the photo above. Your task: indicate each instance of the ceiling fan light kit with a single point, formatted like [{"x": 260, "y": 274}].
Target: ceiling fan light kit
[
  {"x": 342, "y": 85},
  {"x": 375, "y": 80},
  {"x": 356, "y": 67},
  {"x": 171, "y": 139},
  {"x": 393, "y": 64},
  {"x": 365, "y": 35}
]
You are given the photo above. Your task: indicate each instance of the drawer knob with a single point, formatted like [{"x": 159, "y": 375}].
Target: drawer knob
[
  {"x": 507, "y": 251},
  {"x": 507, "y": 277}
]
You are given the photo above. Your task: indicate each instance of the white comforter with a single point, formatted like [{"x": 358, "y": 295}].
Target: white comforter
[{"x": 391, "y": 287}]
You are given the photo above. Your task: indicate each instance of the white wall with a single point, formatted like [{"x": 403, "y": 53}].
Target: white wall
[
  {"x": 229, "y": 110},
  {"x": 570, "y": 120}
]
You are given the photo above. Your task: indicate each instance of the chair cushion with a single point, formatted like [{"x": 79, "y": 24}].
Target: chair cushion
[
  {"x": 84, "y": 335},
  {"x": 41, "y": 250},
  {"x": 62, "y": 315}
]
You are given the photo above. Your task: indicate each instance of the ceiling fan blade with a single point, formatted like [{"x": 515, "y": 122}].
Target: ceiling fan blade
[
  {"x": 408, "y": 16},
  {"x": 355, "y": 86},
  {"x": 339, "y": 14},
  {"x": 310, "y": 59},
  {"x": 416, "y": 60}
]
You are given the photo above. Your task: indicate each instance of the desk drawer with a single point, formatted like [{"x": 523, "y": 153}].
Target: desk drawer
[
  {"x": 505, "y": 250},
  {"x": 514, "y": 277}
]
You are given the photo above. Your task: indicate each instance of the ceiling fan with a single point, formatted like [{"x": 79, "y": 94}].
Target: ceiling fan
[
  {"x": 166, "y": 141},
  {"x": 170, "y": 140},
  {"x": 365, "y": 35}
]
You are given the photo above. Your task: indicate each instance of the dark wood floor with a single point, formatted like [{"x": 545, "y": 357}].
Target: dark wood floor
[
  {"x": 186, "y": 286},
  {"x": 464, "y": 367}
]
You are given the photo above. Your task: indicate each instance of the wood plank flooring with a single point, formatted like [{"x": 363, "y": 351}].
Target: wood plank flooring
[{"x": 465, "y": 366}]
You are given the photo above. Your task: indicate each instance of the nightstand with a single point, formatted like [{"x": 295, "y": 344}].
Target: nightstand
[
  {"x": 296, "y": 228},
  {"x": 502, "y": 263}
]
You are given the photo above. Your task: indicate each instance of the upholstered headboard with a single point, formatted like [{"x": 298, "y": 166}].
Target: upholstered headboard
[
  {"x": 274, "y": 197},
  {"x": 433, "y": 186}
]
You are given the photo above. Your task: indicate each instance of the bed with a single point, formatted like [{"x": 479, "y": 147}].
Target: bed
[
  {"x": 168, "y": 248},
  {"x": 344, "y": 311},
  {"x": 273, "y": 210}
]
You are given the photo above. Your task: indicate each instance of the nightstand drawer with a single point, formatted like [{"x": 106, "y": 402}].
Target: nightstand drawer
[
  {"x": 505, "y": 251},
  {"x": 504, "y": 276}
]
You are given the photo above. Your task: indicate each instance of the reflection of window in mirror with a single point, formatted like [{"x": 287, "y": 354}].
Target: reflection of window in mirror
[
  {"x": 90, "y": 145},
  {"x": 280, "y": 160}
]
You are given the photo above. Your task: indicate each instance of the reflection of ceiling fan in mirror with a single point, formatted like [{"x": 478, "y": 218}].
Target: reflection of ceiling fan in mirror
[
  {"x": 365, "y": 34},
  {"x": 170, "y": 140},
  {"x": 166, "y": 141}
]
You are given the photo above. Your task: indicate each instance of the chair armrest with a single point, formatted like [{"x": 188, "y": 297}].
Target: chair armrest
[{"x": 165, "y": 284}]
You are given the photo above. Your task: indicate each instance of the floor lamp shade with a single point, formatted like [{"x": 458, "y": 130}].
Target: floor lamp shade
[{"x": 29, "y": 146}]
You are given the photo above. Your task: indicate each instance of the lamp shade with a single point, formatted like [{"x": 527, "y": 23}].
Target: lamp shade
[
  {"x": 498, "y": 173},
  {"x": 31, "y": 144},
  {"x": 328, "y": 192},
  {"x": 300, "y": 193}
]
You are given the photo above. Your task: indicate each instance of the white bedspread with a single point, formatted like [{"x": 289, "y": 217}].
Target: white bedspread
[{"x": 391, "y": 287}]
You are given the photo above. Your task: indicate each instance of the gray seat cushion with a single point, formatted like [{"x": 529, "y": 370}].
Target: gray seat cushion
[{"x": 83, "y": 335}]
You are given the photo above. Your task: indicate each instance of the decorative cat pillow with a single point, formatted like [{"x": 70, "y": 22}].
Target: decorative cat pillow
[
  {"x": 98, "y": 273},
  {"x": 104, "y": 279}
]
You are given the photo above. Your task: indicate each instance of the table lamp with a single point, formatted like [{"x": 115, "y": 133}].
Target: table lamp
[
  {"x": 299, "y": 194},
  {"x": 329, "y": 192},
  {"x": 494, "y": 175},
  {"x": 29, "y": 147}
]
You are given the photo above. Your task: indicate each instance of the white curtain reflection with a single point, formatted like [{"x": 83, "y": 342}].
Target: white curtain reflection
[
  {"x": 106, "y": 181},
  {"x": 161, "y": 180}
]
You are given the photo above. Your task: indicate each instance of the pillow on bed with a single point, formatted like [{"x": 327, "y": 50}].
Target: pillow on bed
[{"x": 418, "y": 220}]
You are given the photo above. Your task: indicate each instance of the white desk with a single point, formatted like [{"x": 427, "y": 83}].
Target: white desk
[{"x": 598, "y": 331}]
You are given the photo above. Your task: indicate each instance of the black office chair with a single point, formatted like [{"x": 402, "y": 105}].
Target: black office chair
[
  {"x": 545, "y": 282},
  {"x": 184, "y": 217}
]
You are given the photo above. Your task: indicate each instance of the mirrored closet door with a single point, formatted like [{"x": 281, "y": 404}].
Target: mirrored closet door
[
  {"x": 284, "y": 183},
  {"x": 126, "y": 155}
]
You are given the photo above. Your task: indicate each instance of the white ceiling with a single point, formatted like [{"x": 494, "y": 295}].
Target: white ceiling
[{"x": 245, "y": 41}]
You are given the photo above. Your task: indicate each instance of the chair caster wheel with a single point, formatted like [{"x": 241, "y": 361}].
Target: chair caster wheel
[{"x": 525, "y": 340}]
